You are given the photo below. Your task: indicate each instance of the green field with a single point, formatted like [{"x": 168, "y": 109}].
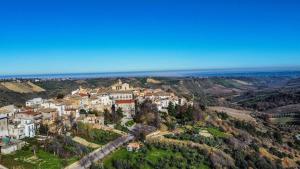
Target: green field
[
  {"x": 25, "y": 159},
  {"x": 216, "y": 132},
  {"x": 150, "y": 158},
  {"x": 94, "y": 135}
]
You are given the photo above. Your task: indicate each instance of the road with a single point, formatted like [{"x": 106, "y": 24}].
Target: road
[
  {"x": 100, "y": 153},
  {"x": 2, "y": 167}
]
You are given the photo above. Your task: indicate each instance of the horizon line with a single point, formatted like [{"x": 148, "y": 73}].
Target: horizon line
[{"x": 251, "y": 69}]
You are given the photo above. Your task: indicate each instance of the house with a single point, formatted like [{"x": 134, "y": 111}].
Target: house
[
  {"x": 75, "y": 92},
  {"x": 12, "y": 147},
  {"x": 105, "y": 100},
  {"x": 9, "y": 110},
  {"x": 21, "y": 128},
  {"x": 128, "y": 107},
  {"x": 16, "y": 130},
  {"x": 69, "y": 111},
  {"x": 3, "y": 125},
  {"x": 133, "y": 147},
  {"x": 91, "y": 119},
  {"x": 60, "y": 107},
  {"x": 34, "y": 102},
  {"x": 93, "y": 92},
  {"x": 99, "y": 104},
  {"x": 48, "y": 114},
  {"x": 36, "y": 117}
]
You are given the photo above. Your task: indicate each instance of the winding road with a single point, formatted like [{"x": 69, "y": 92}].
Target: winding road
[{"x": 100, "y": 153}]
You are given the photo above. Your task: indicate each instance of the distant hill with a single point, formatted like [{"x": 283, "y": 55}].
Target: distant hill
[
  {"x": 22, "y": 87},
  {"x": 153, "y": 81}
]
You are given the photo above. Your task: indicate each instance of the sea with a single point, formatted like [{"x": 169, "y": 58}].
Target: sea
[{"x": 205, "y": 73}]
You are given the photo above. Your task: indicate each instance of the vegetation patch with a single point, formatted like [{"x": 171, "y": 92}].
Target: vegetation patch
[
  {"x": 33, "y": 156},
  {"x": 94, "y": 135},
  {"x": 129, "y": 123},
  {"x": 194, "y": 134},
  {"x": 216, "y": 132},
  {"x": 154, "y": 156}
]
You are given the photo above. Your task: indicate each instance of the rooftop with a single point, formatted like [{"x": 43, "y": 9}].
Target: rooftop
[{"x": 124, "y": 101}]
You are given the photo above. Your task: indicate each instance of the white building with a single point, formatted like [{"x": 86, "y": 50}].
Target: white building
[
  {"x": 3, "y": 125},
  {"x": 29, "y": 127},
  {"x": 5, "y": 113},
  {"x": 128, "y": 107},
  {"x": 51, "y": 105},
  {"x": 121, "y": 96},
  {"x": 91, "y": 119},
  {"x": 105, "y": 100},
  {"x": 36, "y": 117},
  {"x": 34, "y": 102},
  {"x": 21, "y": 128},
  {"x": 75, "y": 92}
]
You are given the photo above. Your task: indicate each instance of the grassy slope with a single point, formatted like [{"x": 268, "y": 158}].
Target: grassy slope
[
  {"x": 25, "y": 159},
  {"x": 152, "y": 155}
]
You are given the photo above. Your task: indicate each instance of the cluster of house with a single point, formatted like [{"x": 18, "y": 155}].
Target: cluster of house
[
  {"x": 161, "y": 98},
  {"x": 18, "y": 123}
]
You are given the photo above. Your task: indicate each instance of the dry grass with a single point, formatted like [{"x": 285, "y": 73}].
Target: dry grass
[
  {"x": 25, "y": 87},
  {"x": 263, "y": 152},
  {"x": 238, "y": 114},
  {"x": 85, "y": 143},
  {"x": 288, "y": 163},
  {"x": 153, "y": 81}
]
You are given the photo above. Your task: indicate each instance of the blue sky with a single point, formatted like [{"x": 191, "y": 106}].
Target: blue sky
[{"x": 63, "y": 36}]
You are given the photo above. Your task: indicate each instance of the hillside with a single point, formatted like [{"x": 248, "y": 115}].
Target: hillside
[
  {"x": 251, "y": 93},
  {"x": 22, "y": 87}
]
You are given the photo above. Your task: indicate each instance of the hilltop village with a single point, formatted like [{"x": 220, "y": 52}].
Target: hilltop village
[
  {"x": 159, "y": 123},
  {"x": 86, "y": 106}
]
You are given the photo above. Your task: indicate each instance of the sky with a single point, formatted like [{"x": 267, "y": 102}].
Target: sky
[{"x": 65, "y": 36}]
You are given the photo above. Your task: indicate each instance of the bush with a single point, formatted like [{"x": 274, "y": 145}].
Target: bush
[
  {"x": 129, "y": 123},
  {"x": 223, "y": 115}
]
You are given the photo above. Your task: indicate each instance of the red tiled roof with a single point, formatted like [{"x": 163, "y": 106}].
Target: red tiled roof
[
  {"x": 124, "y": 101},
  {"x": 83, "y": 94}
]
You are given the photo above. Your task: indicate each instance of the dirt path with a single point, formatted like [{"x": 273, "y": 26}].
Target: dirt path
[
  {"x": 2, "y": 167},
  {"x": 110, "y": 129},
  {"x": 85, "y": 142}
]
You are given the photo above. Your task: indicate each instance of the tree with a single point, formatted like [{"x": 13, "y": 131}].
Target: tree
[
  {"x": 82, "y": 111},
  {"x": 148, "y": 114},
  {"x": 96, "y": 166},
  {"x": 34, "y": 148},
  {"x": 44, "y": 130},
  {"x": 60, "y": 96},
  {"x": 277, "y": 136},
  {"x": 239, "y": 157},
  {"x": 96, "y": 113},
  {"x": 108, "y": 117},
  {"x": 118, "y": 115},
  {"x": 186, "y": 114},
  {"x": 171, "y": 109}
]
